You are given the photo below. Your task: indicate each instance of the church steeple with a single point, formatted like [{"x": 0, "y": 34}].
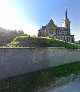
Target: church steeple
[
  {"x": 66, "y": 22},
  {"x": 66, "y": 15}
]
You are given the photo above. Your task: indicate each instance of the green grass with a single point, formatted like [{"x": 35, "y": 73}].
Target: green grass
[
  {"x": 42, "y": 78},
  {"x": 32, "y": 41}
]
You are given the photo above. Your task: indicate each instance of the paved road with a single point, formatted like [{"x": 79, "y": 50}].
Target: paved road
[{"x": 71, "y": 87}]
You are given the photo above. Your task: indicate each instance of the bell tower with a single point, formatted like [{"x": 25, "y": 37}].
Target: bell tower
[{"x": 66, "y": 22}]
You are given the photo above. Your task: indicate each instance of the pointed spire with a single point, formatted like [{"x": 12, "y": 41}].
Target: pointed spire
[{"x": 66, "y": 15}]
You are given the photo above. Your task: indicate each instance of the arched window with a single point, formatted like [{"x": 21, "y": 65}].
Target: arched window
[{"x": 67, "y": 38}]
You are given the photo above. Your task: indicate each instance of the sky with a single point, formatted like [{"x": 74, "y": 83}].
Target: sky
[{"x": 30, "y": 15}]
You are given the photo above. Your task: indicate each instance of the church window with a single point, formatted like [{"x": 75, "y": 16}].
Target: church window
[
  {"x": 59, "y": 38},
  {"x": 62, "y": 33},
  {"x": 51, "y": 32},
  {"x": 65, "y": 33},
  {"x": 67, "y": 39}
]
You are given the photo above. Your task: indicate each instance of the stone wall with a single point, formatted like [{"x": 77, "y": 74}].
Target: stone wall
[{"x": 14, "y": 61}]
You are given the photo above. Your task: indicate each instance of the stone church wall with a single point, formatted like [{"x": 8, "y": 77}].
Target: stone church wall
[{"x": 14, "y": 61}]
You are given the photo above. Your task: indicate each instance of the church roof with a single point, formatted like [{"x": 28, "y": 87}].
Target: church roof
[
  {"x": 42, "y": 28},
  {"x": 62, "y": 29}
]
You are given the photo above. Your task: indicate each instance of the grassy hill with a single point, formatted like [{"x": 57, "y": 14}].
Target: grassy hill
[{"x": 32, "y": 41}]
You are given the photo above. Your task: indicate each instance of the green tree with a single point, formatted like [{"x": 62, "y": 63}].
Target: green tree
[{"x": 20, "y": 33}]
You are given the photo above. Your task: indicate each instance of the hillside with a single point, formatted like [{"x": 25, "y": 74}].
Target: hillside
[{"x": 32, "y": 41}]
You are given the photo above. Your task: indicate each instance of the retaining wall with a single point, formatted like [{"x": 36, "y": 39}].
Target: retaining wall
[{"x": 14, "y": 61}]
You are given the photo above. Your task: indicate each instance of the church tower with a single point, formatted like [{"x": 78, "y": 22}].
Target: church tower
[
  {"x": 66, "y": 22},
  {"x": 60, "y": 33}
]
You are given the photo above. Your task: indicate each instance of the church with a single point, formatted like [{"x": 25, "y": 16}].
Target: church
[{"x": 60, "y": 33}]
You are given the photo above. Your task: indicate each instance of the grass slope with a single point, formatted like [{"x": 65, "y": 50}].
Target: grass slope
[
  {"x": 28, "y": 41},
  {"x": 42, "y": 78}
]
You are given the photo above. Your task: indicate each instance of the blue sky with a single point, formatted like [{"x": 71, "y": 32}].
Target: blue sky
[{"x": 30, "y": 15}]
